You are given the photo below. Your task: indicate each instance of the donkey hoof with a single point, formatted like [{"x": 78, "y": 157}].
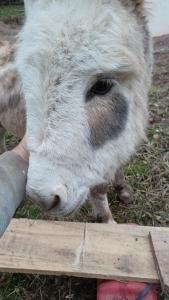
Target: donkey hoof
[
  {"x": 125, "y": 194},
  {"x": 105, "y": 219}
]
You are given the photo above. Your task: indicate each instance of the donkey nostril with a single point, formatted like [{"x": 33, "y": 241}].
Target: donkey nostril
[
  {"x": 57, "y": 199},
  {"x": 56, "y": 202}
]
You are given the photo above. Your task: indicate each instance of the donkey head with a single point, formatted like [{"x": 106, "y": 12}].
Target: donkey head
[{"x": 85, "y": 70}]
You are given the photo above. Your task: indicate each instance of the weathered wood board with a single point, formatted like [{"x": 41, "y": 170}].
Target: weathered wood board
[
  {"x": 160, "y": 245},
  {"x": 120, "y": 252}
]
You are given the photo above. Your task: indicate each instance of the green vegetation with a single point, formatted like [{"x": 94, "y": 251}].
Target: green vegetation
[
  {"x": 11, "y": 10},
  {"x": 140, "y": 168},
  {"x": 28, "y": 210}
]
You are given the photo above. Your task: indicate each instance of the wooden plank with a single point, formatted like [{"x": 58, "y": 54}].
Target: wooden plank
[
  {"x": 121, "y": 252},
  {"x": 160, "y": 245},
  {"x": 85, "y": 250},
  {"x": 40, "y": 247}
]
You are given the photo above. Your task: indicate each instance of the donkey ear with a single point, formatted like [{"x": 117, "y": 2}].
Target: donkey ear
[{"x": 137, "y": 6}]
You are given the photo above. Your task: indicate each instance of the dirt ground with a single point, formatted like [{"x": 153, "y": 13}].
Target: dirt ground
[{"x": 147, "y": 173}]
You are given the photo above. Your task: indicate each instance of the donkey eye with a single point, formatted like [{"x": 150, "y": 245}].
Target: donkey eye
[{"x": 100, "y": 88}]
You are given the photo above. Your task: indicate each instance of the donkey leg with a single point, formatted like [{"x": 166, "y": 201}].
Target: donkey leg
[
  {"x": 123, "y": 190},
  {"x": 100, "y": 207},
  {"x": 2, "y": 140}
]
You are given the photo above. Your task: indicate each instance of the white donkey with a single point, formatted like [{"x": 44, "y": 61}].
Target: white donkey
[{"x": 85, "y": 68}]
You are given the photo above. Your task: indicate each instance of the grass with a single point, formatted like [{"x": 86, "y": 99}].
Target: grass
[
  {"x": 147, "y": 173},
  {"x": 11, "y": 10},
  {"x": 136, "y": 169},
  {"x": 28, "y": 210}
]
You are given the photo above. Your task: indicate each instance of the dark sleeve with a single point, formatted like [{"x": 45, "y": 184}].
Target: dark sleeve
[{"x": 13, "y": 174}]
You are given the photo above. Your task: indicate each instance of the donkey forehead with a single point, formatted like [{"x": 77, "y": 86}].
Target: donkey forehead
[
  {"x": 76, "y": 40},
  {"x": 82, "y": 57}
]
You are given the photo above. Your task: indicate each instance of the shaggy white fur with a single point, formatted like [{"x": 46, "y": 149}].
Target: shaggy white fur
[{"x": 65, "y": 46}]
